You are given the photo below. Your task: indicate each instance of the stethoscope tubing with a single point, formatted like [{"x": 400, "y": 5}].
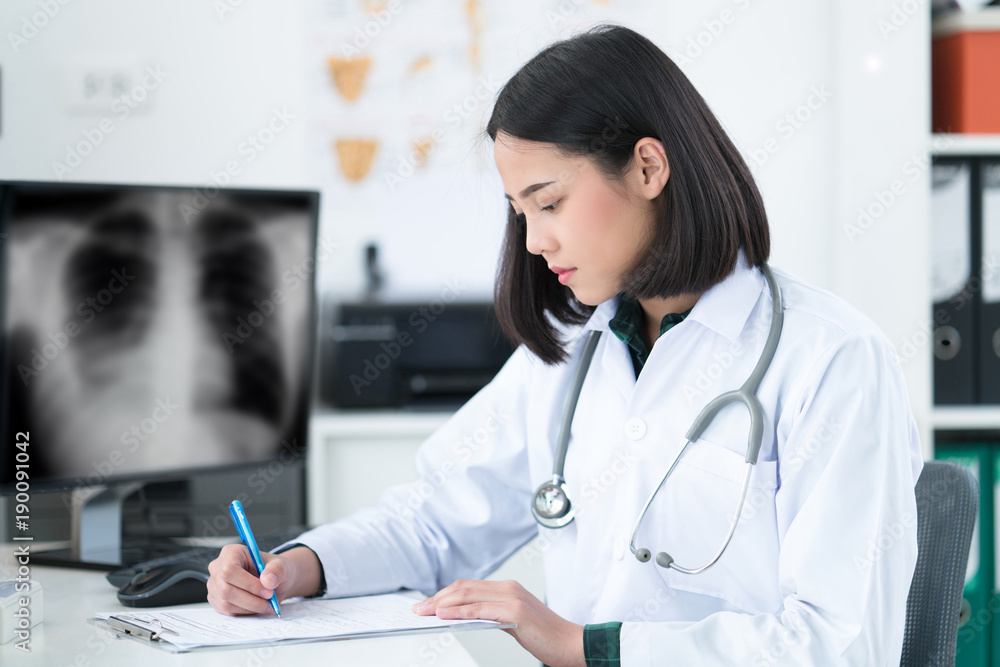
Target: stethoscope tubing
[{"x": 571, "y": 401}]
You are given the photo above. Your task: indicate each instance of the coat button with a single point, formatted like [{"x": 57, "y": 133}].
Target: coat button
[{"x": 635, "y": 428}]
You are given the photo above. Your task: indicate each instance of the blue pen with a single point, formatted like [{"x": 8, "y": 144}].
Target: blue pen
[{"x": 243, "y": 526}]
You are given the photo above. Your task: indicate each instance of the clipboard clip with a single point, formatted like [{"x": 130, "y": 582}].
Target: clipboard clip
[{"x": 133, "y": 629}]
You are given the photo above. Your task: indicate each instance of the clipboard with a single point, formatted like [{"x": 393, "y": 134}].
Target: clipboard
[
  {"x": 126, "y": 627},
  {"x": 164, "y": 629}
]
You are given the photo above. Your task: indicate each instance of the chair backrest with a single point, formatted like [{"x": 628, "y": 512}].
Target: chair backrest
[{"x": 947, "y": 505}]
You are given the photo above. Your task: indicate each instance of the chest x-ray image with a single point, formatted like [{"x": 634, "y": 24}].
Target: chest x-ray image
[{"x": 149, "y": 328}]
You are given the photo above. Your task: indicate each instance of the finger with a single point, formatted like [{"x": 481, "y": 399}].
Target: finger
[
  {"x": 222, "y": 607},
  {"x": 233, "y": 601},
  {"x": 226, "y": 553},
  {"x": 464, "y": 591},
  {"x": 482, "y": 610},
  {"x": 234, "y": 567},
  {"x": 275, "y": 572},
  {"x": 429, "y": 605}
]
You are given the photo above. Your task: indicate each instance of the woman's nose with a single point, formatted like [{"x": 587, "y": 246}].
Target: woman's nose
[{"x": 538, "y": 239}]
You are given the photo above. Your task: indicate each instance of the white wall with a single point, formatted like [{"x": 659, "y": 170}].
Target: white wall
[
  {"x": 881, "y": 184},
  {"x": 223, "y": 77}
]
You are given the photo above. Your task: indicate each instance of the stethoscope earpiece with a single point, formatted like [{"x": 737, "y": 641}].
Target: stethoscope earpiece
[{"x": 664, "y": 559}]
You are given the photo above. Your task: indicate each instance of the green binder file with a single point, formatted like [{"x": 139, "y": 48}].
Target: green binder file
[
  {"x": 994, "y": 600},
  {"x": 976, "y": 627}
]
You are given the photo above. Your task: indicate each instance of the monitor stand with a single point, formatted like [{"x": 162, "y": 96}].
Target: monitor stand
[{"x": 96, "y": 539}]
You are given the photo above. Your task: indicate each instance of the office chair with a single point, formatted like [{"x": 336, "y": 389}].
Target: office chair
[{"x": 947, "y": 505}]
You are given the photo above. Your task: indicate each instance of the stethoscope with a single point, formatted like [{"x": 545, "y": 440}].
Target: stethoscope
[{"x": 551, "y": 505}]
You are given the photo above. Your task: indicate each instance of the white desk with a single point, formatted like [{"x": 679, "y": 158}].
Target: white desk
[{"x": 65, "y": 638}]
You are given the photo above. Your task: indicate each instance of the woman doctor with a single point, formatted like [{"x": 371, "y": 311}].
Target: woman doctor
[{"x": 631, "y": 213}]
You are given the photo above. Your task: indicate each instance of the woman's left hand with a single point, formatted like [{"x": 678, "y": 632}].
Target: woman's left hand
[{"x": 547, "y": 636}]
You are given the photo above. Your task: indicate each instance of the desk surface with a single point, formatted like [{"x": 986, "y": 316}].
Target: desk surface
[{"x": 65, "y": 638}]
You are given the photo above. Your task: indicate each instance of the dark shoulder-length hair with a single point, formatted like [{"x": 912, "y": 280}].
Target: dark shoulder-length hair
[{"x": 596, "y": 94}]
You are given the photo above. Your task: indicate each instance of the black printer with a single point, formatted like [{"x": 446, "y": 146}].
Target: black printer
[{"x": 429, "y": 354}]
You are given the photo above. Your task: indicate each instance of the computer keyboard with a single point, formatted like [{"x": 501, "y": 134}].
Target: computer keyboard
[{"x": 200, "y": 557}]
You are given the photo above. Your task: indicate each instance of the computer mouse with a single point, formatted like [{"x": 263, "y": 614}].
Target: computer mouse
[
  {"x": 120, "y": 577},
  {"x": 165, "y": 585}
]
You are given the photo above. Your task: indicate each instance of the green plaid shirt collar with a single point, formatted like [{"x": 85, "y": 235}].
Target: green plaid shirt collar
[{"x": 627, "y": 325}]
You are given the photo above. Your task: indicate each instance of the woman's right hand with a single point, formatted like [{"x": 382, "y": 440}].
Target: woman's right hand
[{"x": 234, "y": 590}]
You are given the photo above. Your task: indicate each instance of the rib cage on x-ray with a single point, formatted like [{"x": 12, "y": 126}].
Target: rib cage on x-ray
[
  {"x": 121, "y": 241},
  {"x": 237, "y": 270},
  {"x": 164, "y": 373}
]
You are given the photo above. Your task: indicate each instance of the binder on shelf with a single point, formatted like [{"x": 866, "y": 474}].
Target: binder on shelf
[
  {"x": 954, "y": 245},
  {"x": 976, "y": 627},
  {"x": 986, "y": 207},
  {"x": 994, "y": 599}
]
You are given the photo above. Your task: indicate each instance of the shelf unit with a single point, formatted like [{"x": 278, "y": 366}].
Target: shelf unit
[
  {"x": 965, "y": 144},
  {"x": 968, "y": 435},
  {"x": 965, "y": 417}
]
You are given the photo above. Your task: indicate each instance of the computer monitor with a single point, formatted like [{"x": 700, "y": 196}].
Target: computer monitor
[{"x": 150, "y": 333}]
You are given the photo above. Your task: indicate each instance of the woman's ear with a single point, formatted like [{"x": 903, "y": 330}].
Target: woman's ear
[{"x": 651, "y": 162}]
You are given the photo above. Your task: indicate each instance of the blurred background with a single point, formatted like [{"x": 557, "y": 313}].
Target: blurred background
[{"x": 873, "y": 129}]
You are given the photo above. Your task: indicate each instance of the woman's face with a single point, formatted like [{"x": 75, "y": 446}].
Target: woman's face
[{"x": 584, "y": 228}]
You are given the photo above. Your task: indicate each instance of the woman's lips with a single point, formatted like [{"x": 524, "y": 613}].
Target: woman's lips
[{"x": 564, "y": 274}]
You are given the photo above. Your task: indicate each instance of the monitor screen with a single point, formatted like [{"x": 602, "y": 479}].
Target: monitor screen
[{"x": 151, "y": 330}]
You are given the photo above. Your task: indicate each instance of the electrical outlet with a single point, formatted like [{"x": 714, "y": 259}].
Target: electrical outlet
[{"x": 94, "y": 88}]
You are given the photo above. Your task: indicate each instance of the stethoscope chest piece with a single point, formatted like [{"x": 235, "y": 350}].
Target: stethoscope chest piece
[{"x": 551, "y": 505}]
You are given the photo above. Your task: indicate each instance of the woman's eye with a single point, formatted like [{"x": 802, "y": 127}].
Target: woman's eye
[{"x": 550, "y": 207}]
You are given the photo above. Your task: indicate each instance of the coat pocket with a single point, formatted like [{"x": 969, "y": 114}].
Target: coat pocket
[{"x": 691, "y": 515}]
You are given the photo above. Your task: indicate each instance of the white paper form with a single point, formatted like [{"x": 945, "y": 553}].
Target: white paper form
[{"x": 189, "y": 629}]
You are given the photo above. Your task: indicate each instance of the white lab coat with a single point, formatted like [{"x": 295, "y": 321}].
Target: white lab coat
[{"x": 818, "y": 570}]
